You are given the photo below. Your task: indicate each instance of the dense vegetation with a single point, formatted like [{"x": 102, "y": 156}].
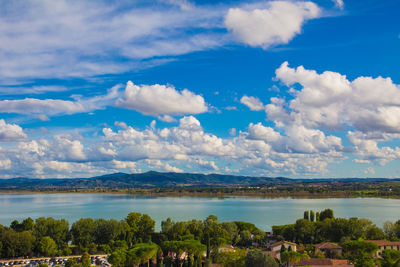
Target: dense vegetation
[
  {"x": 133, "y": 241},
  {"x": 155, "y": 183}
]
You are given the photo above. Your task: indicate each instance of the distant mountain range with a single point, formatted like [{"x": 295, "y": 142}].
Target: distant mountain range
[{"x": 161, "y": 179}]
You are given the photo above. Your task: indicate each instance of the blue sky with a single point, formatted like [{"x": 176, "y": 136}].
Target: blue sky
[{"x": 264, "y": 88}]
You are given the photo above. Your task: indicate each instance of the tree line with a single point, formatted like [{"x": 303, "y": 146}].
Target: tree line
[{"x": 133, "y": 240}]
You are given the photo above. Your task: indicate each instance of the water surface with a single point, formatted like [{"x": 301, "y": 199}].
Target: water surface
[{"x": 263, "y": 212}]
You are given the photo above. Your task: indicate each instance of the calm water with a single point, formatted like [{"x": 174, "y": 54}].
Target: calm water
[{"x": 263, "y": 212}]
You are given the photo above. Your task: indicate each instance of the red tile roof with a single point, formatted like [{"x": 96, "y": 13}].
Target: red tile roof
[
  {"x": 322, "y": 262},
  {"x": 381, "y": 243},
  {"x": 327, "y": 245}
]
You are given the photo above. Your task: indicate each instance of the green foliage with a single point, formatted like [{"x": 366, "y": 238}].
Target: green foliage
[
  {"x": 390, "y": 258},
  {"x": 359, "y": 252},
  {"x": 47, "y": 246},
  {"x": 304, "y": 231},
  {"x": 141, "y": 227},
  {"x": 312, "y": 216},
  {"x": 256, "y": 258},
  {"x": 141, "y": 253},
  {"x": 230, "y": 258},
  {"x": 85, "y": 259},
  {"x": 14, "y": 243},
  {"x": 118, "y": 258},
  {"x": 289, "y": 257},
  {"x": 71, "y": 262},
  {"x": 56, "y": 229},
  {"x": 306, "y": 215},
  {"x": 83, "y": 232},
  {"x": 326, "y": 214}
]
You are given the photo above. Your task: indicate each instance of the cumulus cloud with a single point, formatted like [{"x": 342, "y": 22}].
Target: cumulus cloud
[
  {"x": 252, "y": 103},
  {"x": 277, "y": 24},
  {"x": 161, "y": 100},
  {"x": 329, "y": 101},
  {"x": 11, "y": 132},
  {"x": 260, "y": 150}
]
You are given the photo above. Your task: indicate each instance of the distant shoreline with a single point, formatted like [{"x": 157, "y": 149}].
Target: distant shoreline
[{"x": 179, "y": 192}]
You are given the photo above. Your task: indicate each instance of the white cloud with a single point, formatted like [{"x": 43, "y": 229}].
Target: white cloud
[
  {"x": 260, "y": 150},
  {"x": 36, "y": 89},
  {"x": 367, "y": 106},
  {"x": 252, "y": 103},
  {"x": 260, "y": 132},
  {"x": 5, "y": 164},
  {"x": 330, "y": 100},
  {"x": 44, "y": 107},
  {"x": 277, "y": 24},
  {"x": 11, "y": 132},
  {"x": 81, "y": 39},
  {"x": 206, "y": 165},
  {"x": 158, "y": 100},
  {"x": 339, "y": 3}
]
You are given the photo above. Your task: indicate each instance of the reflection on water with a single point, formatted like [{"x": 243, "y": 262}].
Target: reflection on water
[{"x": 264, "y": 212}]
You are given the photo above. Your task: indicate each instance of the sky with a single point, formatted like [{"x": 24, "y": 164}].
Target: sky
[{"x": 301, "y": 89}]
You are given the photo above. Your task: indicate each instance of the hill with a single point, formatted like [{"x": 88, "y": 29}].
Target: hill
[{"x": 154, "y": 179}]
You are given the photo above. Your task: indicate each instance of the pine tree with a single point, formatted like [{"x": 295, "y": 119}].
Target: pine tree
[
  {"x": 311, "y": 215},
  {"x": 306, "y": 215}
]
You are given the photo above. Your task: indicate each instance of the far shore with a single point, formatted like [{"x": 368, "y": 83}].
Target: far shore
[{"x": 181, "y": 192}]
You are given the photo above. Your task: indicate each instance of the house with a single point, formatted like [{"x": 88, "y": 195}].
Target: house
[
  {"x": 383, "y": 244},
  {"x": 276, "y": 247},
  {"x": 331, "y": 250},
  {"x": 318, "y": 262}
]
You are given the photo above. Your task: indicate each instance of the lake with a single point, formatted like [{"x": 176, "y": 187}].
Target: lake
[{"x": 263, "y": 212}]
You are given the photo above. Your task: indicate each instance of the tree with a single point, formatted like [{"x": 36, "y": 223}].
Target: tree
[
  {"x": 83, "y": 232},
  {"x": 375, "y": 233},
  {"x": 141, "y": 253},
  {"x": 390, "y": 258},
  {"x": 107, "y": 231},
  {"x": 359, "y": 252},
  {"x": 326, "y": 214},
  {"x": 256, "y": 258},
  {"x": 71, "y": 262},
  {"x": 317, "y": 217},
  {"x": 289, "y": 257},
  {"x": 146, "y": 227},
  {"x": 230, "y": 258},
  {"x": 304, "y": 231},
  {"x": 283, "y": 248},
  {"x": 141, "y": 227},
  {"x": 85, "y": 259},
  {"x": 306, "y": 215},
  {"x": 118, "y": 258},
  {"x": 47, "y": 246},
  {"x": 56, "y": 229},
  {"x": 312, "y": 217},
  {"x": 28, "y": 224},
  {"x": 389, "y": 229}
]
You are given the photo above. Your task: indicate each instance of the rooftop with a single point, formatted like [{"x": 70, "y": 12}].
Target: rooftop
[{"x": 327, "y": 245}]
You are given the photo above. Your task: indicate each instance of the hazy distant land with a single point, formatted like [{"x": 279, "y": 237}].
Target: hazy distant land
[{"x": 165, "y": 184}]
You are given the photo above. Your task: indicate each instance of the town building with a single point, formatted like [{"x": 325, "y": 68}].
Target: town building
[
  {"x": 383, "y": 244},
  {"x": 330, "y": 250}
]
